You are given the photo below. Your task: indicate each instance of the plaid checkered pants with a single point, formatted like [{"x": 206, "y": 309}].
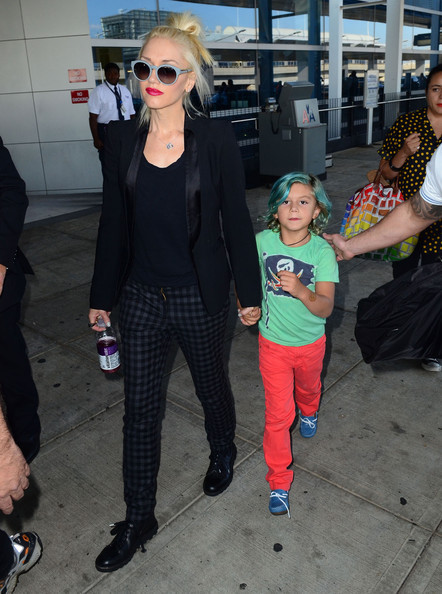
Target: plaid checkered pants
[{"x": 150, "y": 318}]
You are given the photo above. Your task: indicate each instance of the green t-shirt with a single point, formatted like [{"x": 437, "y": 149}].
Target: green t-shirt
[{"x": 286, "y": 320}]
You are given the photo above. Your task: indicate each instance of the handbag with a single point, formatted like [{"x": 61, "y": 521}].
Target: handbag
[{"x": 367, "y": 207}]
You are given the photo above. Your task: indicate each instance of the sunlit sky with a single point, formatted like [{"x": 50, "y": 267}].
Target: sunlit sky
[
  {"x": 211, "y": 16},
  {"x": 221, "y": 16}
]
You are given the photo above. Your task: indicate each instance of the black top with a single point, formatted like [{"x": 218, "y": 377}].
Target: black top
[
  {"x": 13, "y": 205},
  {"x": 161, "y": 243},
  {"x": 221, "y": 238}
]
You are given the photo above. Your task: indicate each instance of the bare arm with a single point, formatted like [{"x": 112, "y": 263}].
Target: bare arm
[
  {"x": 93, "y": 125},
  {"x": 319, "y": 302},
  {"x": 14, "y": 471},
  {"x": 3, "y": 270},
  {"x": 402, "y": 222},
  {"x": 410, "y": 147}
]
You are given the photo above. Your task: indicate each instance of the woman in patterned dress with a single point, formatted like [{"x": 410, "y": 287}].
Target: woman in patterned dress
[{"x": 409, "y": 145}]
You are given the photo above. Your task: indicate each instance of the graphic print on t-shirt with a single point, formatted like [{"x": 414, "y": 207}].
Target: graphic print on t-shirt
[{"x": 274, "y": 264}]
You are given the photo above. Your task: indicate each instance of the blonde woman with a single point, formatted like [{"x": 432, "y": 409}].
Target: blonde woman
[{"x": 173, "y": 231}]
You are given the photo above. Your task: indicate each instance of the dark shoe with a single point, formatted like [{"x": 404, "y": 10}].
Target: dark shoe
[
  {"x": 220, "y": 472},
  {"x": 129, "y": 536}
]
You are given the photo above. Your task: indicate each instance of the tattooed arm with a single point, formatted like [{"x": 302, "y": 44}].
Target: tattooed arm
[
  {"x": 402, "y": 222},
  {"x": 425, "y": 210}
]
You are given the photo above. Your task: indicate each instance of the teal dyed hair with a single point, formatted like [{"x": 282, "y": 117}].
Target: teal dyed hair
[{"x": 280, "y": 191}]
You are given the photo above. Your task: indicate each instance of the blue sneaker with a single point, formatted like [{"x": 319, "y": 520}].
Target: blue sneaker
[
  {"x": 307, "y": 427},
  {"x": 279, "y": 502}
]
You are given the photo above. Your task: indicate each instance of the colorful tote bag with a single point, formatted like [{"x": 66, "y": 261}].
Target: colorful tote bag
[{"x": 367, "y": 207}]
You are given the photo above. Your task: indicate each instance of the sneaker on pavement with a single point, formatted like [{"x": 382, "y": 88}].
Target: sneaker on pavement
[
  {"x": 308, "y": 425},
  {"x": 27, "y": 551},
  {"x": 431, "y": 364},
  {"x": 279, "y": 502}
]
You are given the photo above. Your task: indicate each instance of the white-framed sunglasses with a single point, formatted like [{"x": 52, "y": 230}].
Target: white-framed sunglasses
[{"x": 166, "y": 74}]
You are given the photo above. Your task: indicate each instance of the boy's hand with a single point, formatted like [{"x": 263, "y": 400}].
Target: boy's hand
[
  {"x": 290, "y": 282},
  {"x": 249, "y": 315}
]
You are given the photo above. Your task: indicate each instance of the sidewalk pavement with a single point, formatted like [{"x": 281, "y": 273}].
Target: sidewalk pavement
[{"x": 366, "y": 498}]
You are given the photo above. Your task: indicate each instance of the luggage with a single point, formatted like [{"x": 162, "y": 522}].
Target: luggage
[{"x": 403, "y": 318}]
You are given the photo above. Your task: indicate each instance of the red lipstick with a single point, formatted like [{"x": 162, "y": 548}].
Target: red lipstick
[{"x": 153, "y": 92}]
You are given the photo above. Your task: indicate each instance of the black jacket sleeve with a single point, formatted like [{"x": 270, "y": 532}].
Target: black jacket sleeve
[{"x": 13, "y": 205}]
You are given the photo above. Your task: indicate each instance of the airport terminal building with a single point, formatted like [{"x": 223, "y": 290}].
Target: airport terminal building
[{"x": 54, "y": 51}]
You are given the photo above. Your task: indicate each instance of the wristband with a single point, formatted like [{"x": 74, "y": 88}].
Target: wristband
[{"x": 393, "y": 167}]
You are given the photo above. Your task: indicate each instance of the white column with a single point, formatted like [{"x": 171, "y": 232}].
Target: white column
[
  {"x": 335, "y": 67},
  {"x": 393, "y": 46}
]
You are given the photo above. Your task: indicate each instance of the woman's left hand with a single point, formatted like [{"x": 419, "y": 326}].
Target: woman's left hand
[{"x": 249, "y": 315}]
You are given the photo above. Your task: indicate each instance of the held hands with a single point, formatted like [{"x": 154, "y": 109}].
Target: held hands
[
  {"x": 411, "y": 144},
  {"x": 339, "y": 244},
  {"x": 14, "y": 472},
  {"x": 249, "y": 315}
]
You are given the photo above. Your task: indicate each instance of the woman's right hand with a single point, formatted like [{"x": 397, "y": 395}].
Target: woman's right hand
[
  {"x": 95, "y": 315},
  {"x": 411, "y": 144}
]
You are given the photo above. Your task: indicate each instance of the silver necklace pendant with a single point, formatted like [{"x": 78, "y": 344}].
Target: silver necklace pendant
[{"x": 169, "y": 145}]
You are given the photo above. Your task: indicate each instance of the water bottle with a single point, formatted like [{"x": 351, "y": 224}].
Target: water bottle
[{"x": 107, "y": 348}]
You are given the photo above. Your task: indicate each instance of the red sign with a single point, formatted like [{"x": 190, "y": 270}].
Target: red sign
[
  {"x": 76, "y": 75},
  {"x": 80, "y": 96}
]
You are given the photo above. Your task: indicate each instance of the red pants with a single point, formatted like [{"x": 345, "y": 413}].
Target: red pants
[{"x": 290, "y": 375}]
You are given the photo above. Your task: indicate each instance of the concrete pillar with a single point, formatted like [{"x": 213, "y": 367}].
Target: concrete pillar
[
  {"x": 314, "y": 38},
  {"x": 393, "y": 57},
  {"x": 265, "y": 57},
  {"x": 420, "y": 67},
  {"x": 371, "y": 63},
  {"x": 435, "y": 35},
  {"x": 393, "y": 47},
  {"x": 335, "y": 67},
  {"x": 302, "y": 68}
]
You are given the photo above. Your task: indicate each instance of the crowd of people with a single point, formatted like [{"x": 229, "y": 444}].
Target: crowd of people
[{"x": 171, "y": 277}]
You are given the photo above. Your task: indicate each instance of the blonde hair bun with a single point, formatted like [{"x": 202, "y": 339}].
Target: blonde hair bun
[{"x": 187, "y": 22}]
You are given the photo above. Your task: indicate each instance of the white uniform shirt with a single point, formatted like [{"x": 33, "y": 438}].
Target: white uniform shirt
[
  {"x": 103, "y": 103},
  {"x": 431, "y": 190}
]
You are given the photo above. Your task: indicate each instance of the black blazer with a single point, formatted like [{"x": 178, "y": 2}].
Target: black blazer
[
  {"x": 220, "y": 231},
  {"x": 13, "y": 205}
]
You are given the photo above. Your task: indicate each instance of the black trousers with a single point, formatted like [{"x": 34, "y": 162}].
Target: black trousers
[
  {"x": 102, "y": 133},
  {"x": 17, "y": 385},
  {"x": 149, "y": 319}
]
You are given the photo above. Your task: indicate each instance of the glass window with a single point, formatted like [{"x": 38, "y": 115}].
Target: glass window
[{"x": 235, "y": 35}]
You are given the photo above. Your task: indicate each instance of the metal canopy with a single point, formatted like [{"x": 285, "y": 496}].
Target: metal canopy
[{"x": 359, "y": 11}]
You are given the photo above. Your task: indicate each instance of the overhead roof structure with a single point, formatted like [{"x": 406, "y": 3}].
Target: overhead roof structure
[{"x": 358, "y": 10}]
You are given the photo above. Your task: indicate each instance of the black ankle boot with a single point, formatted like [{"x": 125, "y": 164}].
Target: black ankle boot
[
  {"x": 220, "y": 472},
  {"x": 129, "y": 536}
]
